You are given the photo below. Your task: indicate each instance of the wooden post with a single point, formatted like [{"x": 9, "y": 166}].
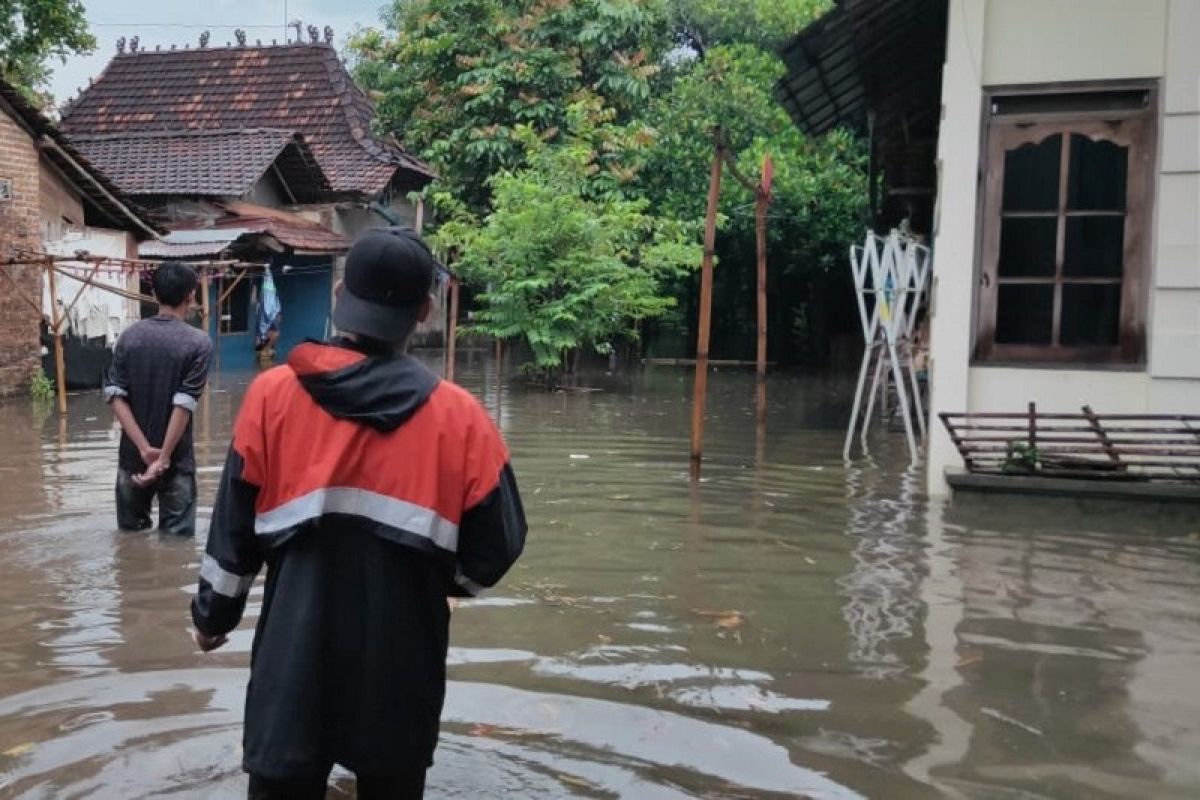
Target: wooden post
[
  {"x": 761, "y": 200},
  {"x": 204, "y": 301},
  {"x": 55, "y": 325},
  {"x": 760, "y": 423},
  {"x": 217, "y": 333},
  {"x": 452, "y": 330},
  {"x": 419, "y": 216},
  {"x": 706, "y": 281}
]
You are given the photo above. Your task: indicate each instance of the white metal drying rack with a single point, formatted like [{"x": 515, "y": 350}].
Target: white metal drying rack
[{"x": 894, "y": 272}]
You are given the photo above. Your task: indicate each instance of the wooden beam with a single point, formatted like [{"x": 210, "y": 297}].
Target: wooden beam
[
  {"x": 84, "y": 283},
  {"x": 128, "y": 295},
  {"x": 284, "y": 184},
  {"x": 229, "y": 289}
]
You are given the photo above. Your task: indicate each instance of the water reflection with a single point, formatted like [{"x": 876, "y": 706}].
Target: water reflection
[{"x": 788, "y": 626}]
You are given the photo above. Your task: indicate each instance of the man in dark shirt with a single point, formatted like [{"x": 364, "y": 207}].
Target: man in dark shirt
[{"x": 159, "y": 369}]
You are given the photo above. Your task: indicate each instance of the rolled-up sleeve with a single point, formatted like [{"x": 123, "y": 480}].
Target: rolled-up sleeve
[
  {"x": 193, "y": 381},
  {"x": 116, "y": 383}
]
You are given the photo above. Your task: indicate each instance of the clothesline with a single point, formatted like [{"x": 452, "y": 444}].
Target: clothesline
[{"x": 21, "y": 257}]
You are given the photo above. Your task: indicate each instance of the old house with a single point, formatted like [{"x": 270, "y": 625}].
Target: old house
[
  {"x": 1049, "y": 151},
  {"x": 52, "y": 200},
  {"x": 258, "y": 153}
]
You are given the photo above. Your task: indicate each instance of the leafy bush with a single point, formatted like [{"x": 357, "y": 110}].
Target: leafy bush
[
  {"x": 41, "y": 388},
  {"x": 567, "y": 260}
]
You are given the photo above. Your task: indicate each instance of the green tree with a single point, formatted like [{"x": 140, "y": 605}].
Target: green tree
[
  {"x": 818, "y": 205},
  {"x": 700, "y": 24},
  {"x": 569, "y": 262},
  {"x": 455, "y": 79},
  {"x": 32, "y": 32}
]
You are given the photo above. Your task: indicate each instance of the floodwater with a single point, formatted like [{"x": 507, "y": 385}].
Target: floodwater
[{"x": 788, "y": 627}]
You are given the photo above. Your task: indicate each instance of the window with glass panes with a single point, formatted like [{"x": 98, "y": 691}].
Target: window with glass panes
[{"x": 1066, "y": 203}]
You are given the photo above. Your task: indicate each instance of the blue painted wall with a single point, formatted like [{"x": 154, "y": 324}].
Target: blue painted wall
[
  {"x": 305, "y": 294},
  {"x": 232, "y": 351}
]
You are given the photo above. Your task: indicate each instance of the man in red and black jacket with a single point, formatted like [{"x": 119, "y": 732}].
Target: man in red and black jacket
[{"x": 373, "y": 491}]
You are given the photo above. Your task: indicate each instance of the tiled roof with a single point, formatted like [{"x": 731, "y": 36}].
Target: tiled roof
[
  {"x": 119, "y": 209},
  {"x": 295, "y": 87},
  {"x": 244, "y": 218},
  {"x": 214, "y": 163}
]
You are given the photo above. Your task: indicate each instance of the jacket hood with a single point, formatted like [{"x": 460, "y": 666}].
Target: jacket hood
[{"x": 382, "y": 392}]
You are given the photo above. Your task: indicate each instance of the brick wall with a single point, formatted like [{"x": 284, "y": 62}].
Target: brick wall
[{"x": 20, "y": 222}]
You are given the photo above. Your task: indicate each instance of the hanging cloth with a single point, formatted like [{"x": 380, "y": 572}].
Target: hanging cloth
[{"x": 269, "y": 309}]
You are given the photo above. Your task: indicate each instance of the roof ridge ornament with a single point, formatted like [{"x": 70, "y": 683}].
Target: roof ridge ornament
[
  {"x": 240, "y": 35},
  {"x": 204, "y": 39}
]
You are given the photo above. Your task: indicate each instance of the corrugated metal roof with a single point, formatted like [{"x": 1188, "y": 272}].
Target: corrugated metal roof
[
  {"x": 187, "y": 244},
  {"x": 877, "y": 59}
]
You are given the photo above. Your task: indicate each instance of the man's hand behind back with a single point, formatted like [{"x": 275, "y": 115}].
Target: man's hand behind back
[{"x": 153, "y": 472}]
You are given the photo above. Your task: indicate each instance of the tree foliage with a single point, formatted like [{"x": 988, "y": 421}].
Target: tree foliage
[
  {"x": 700, "y": 24},
  {"x": 574, "y": 139},
  {"x": 455, "y": 79},
  {"x": 34, "y": 31},
  {"x": 820, "y": 184},
  {"x": 568, "y": 260},
  {"x": 818, "y": 201}
]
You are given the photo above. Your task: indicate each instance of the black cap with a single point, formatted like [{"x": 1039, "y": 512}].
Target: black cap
[{"x": 389, "y": 271}]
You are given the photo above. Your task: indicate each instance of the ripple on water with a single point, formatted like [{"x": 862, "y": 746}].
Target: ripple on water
[{"x": 182, "y": 727}]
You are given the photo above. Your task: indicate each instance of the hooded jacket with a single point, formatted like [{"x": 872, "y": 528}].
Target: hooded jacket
[{"x": 372, "y": 490}]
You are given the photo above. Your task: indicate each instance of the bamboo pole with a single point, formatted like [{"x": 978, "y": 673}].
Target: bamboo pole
[
  {"x": 761, "y": 200},
  {"x": 59, "y": 360},
  {"x": 229, "y": 289},
  {"x": 452, "y": 330},
  {"x": 141, "y": 298},
  {"x": 706, "y": 281},
  {"x": 83, "y": 284},
  {"x": 204, "y": 308}
]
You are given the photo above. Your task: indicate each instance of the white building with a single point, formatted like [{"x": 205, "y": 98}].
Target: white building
[{"x": 1063, "y": 205}]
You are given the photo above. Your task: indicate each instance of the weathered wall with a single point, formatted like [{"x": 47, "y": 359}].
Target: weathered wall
[
  {"x": 60, "y": 205},
  {"x": 20, "y": 222}
]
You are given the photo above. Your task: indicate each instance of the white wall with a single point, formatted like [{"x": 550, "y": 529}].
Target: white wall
[
  {"x": 1012, "y": 389},
  {"x": 1007, "y": 42},
  {"x": 1043, "y": 41},
  {"x": 1175, "y": 303},
  {"x": 954, "y": 228},
  {"x": 111, "y": 313}
]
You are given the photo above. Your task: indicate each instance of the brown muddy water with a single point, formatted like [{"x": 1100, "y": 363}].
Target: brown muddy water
[{"x": 788, "y": 627}]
